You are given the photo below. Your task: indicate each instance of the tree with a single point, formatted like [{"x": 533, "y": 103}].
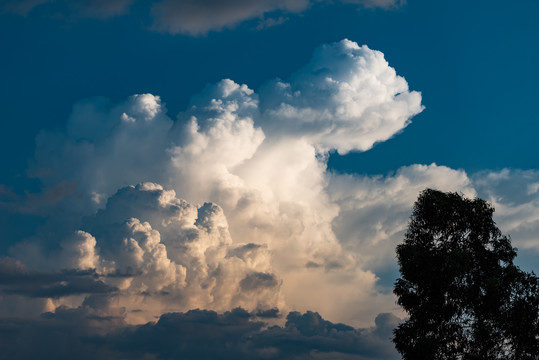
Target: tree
[{"x": 464, "y": 296}]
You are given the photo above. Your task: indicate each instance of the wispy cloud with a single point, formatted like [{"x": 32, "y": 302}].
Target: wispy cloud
[
  {"x": 191, "y": 17},
  {"x": 198, "y": 17},
  {"x": 101, "y": 9}
]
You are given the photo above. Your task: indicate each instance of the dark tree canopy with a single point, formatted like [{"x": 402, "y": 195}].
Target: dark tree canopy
[{"x": 464, "y": 296}]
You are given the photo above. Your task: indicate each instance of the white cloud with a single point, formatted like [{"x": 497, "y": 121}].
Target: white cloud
[
  {"x": 267, "y": 172},
  {"x": 174, "y": 256},
  {"x": 285, "y": 233},
  {"x": 374, "y": 211},
  {"x": 100, "y": 151},
  {"x": 79, "y": 252},
  {"x": 513, "y": 193},
  {"x": 346, "y": 98}
]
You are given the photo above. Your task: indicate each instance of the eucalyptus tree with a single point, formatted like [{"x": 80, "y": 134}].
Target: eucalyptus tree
[{"x": 464, "y": 296}]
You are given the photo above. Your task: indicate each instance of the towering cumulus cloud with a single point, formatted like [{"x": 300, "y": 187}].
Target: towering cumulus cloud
[
  {"x": 229, "y": 210},
  {"x": 261, "y": 158}
]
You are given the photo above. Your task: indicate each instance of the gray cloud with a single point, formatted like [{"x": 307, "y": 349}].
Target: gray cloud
[
  {"x": 374, "y": 210},
  {"x": 77, "y": 8},
  {"x": 192, "y": 17},
  {"x": 35, "y": 203},
  {"x": 196, "y": 334},
  {"x": 21, "y": 7},
  {"x": 258, "y": 280},
  {"x": 304, "y": 336},
  {"x": 515, "y": 196},
  {"x": 102, "y": 8},
  {"x": 385, "y": 4},
  {"x": 196, "y": 17},
  {"x": 15, "y": 279}
]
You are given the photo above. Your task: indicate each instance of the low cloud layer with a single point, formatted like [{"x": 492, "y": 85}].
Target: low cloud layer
[
  {"x": 192, "y": 17},
  {"x": 196, "y": 334}
]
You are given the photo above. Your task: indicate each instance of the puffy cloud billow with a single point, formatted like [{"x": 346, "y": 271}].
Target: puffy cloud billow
[
  {"x": 231, "y": 206},
  {"x": 160, "y": 253},
  {"x": 346, "y": 98}
]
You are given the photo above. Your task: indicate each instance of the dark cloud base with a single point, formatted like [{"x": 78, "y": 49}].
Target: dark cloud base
[
  {"x": 16, "y": 279},
  {"x": 196, "y": 334}
]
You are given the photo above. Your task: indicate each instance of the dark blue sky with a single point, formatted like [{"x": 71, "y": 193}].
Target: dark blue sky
[{"x": 474, "y": 62}]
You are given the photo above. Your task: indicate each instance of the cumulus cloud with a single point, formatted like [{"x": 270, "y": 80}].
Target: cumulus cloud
[
  {"x": 232, "y": 205},
  {"x": 515, "y": 196},
  {"x": 260, "y": 157},
  {"x": 346, "y": 98},
  {"x": 160, "y": 253},
  {"x": 374, "y": 211},
  {"x": 105, "y": 146}
]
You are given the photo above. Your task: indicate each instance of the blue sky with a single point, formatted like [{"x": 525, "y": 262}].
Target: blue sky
[
  {"x": 69, "y": 72},
  {"x": 475, "y": 65}
]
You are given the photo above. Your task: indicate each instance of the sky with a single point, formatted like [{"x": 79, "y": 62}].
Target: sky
[{"x": 229, "y": 179}]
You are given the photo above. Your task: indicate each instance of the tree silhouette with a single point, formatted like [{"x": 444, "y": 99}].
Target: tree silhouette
[{"x": 464, "y": 296}]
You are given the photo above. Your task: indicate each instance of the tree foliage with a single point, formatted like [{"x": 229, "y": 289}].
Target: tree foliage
[{"x": 464, "y": 296}]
